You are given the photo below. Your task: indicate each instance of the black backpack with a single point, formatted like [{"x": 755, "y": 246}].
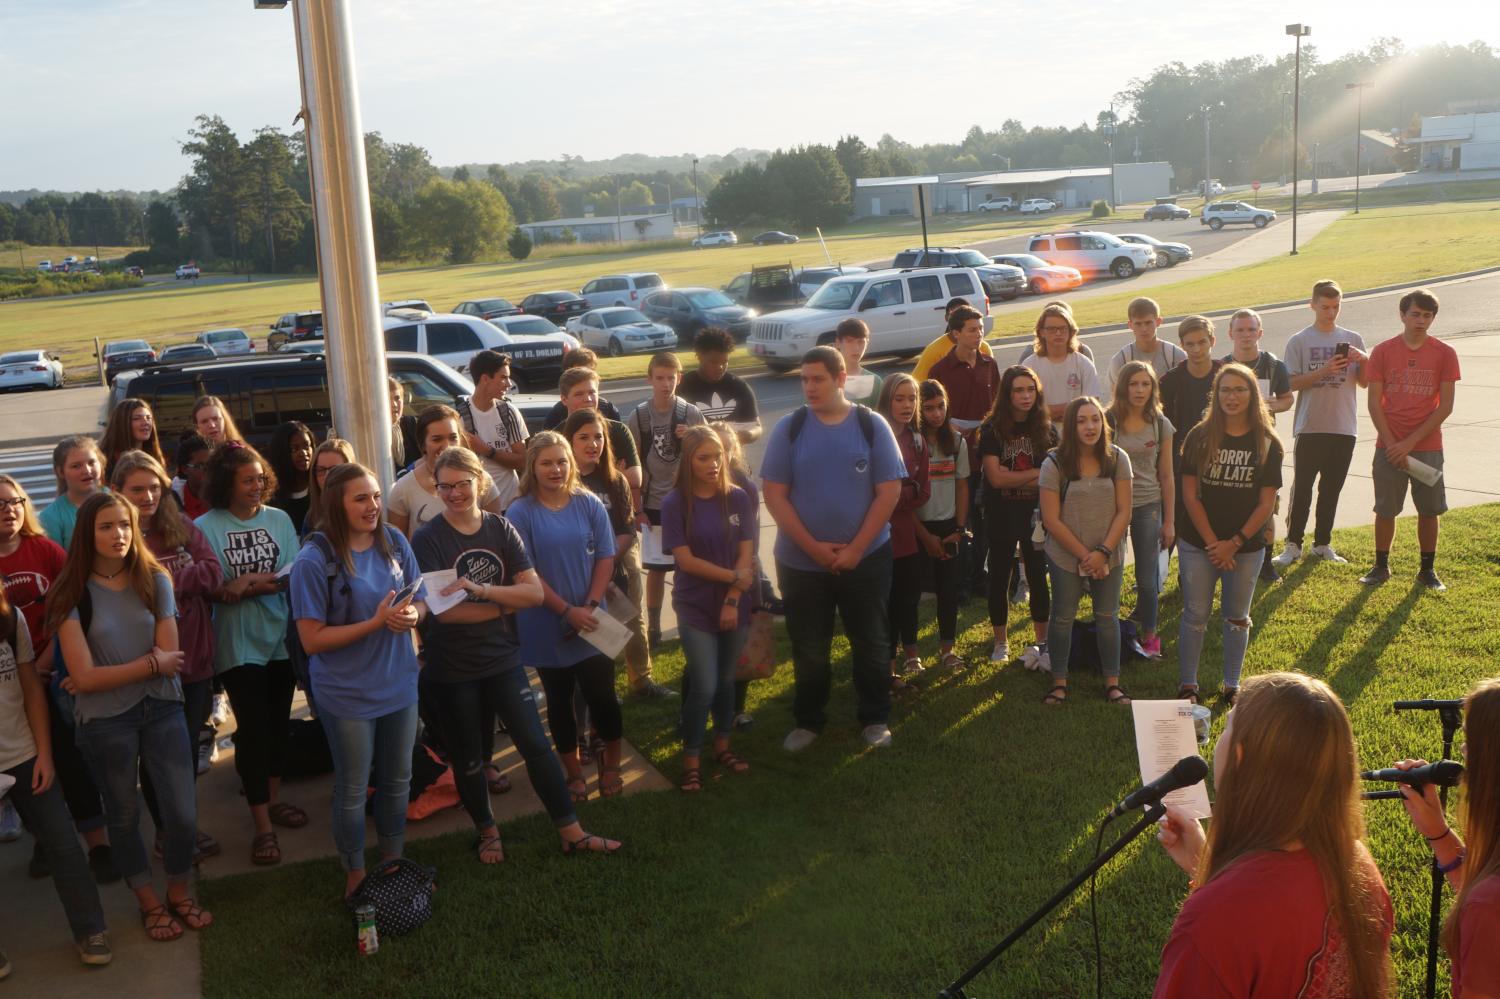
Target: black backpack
[{"x": 864, "y": 413}]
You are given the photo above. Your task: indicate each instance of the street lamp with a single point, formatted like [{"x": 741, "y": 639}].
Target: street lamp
[
  {"x": 1359, "y": 134},
  {"x": 697, "y": 201},
  {"x": 1207, "y": 172},
  {"x": 1299, "y": 32},
  {"x": 1109, "y": 131}
]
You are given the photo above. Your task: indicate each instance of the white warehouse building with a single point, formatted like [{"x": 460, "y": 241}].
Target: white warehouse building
[
  {"x": 1460, "y": 141},
  {"x": 964, "y": 192}
]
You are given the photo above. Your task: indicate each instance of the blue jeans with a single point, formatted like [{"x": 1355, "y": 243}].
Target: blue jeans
[
  {"x": 1145, "y": 545},
  {"x": 357, "y": 745},
  {"x": 1197, "y": 577},
  {"x": 47, "y": 817},
  {"x": 152, "y": 735},
  {"x": 711, "y": 658},
  {"x": 1067, "y": 590}
]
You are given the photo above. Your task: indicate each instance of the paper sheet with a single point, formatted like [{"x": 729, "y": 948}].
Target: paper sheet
[
  {"x": 610, "y": 637},
  {"x": 1423, "y": 472},
  {"x": 964, "y": 426},
  {"x": 436, "y": 581},
  {"x": 1163, "y": 735},
  {"x": 652, "y": 554}
]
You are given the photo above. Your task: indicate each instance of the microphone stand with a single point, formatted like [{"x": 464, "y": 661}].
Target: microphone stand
[
  {"x": 1451, "y": 715},
  {"x": 955, "y": 990}
]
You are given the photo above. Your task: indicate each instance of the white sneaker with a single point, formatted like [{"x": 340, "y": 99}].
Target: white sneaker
[
  {"x": 1043, "y": 662},
  {"x": 208, "y": 754},
  {"x": 1000, "y": 653},
  {"x": 877, "y": 736},
  {"x": 1327, "y": 554},
  {"x": 220, "y": 713},
  {"x": 1291, "y": 553},
  {"x": 799, "y": 739},
  {"x": 1035, "y": 658}
]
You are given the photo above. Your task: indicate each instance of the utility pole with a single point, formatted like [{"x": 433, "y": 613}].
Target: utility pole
[
  {"x": 1207, "y": 173},
  {"x": 1113, "y": 187},
  {"x": 1359, "y": 133},
  {"x": 1299, "y": 32},
  {"x": 697, "y": 200}
]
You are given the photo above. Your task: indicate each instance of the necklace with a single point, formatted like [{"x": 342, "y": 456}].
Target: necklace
[{"x": 109, "y": 576}]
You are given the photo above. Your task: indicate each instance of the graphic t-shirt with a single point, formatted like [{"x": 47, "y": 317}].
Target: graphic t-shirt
[
  {"x": 1329, "y": 405},
  {"x": 656, "y": 436},
  {"x": 28, "y": 573},
  {"x": 563, "y": 545},
  {"x": 16, "y": 742},
  {"x": 713, "y": 532},
  {"x": 500, "y": 426},
  {"x": 1015, "y": 454},
  {"x": 1261, "y": 927},
  {"x": 1164, "y": 358},
  {"x": 122, "y": 628},
  {"x": 254, "y": 629},
  {"x": 1229, "y": 486},
  {"x": 1144, "y": 447},
  {"x": 493, "y": 554},
  {"x": 730, "y": 399},
  {"x": 1063, "y": 381},
  {"x": 407, "y": 498},
  {"x": 830, "y": 473},
  {"x": 944, "y": 472},
  {"x": 1410, "y": 381},
  {"x": 619, "y": 519},
  {"x": 1088, "y": 508},
  {"x": 1270, "y": 374}
]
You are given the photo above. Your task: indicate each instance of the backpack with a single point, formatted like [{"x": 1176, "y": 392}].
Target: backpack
[
  {"x": 864, "y": 413},
  {"x": 643, "y": 435}
]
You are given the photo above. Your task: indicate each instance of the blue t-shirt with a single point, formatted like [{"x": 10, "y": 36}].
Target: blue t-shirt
[
  {"x": 254, "y": 629},
  {"x": 713, "y": 532},
  {"x": 563, "y": 545},
  {"x": 377, "y": 674},
  {"x": 58, "y": 519},
  {"x": 831, "y": 475}
]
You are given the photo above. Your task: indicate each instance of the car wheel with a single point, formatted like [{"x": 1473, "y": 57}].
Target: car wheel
[
  {"x": 1260, "y": 221},
  {"x": 1148, "y": 217},
  {"x": 1122, "y": 268},
  {"x": 615, "y": 348},
  {"x": 1036, "y": 287},
  {"x": 1216, "y": 224},
  {"x": 1011, "y": 297}
]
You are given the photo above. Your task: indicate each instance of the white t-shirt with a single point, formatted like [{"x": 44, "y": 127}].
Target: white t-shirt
[
  {"x": 408, "y": 499},
  {"x": 16, "y": 742},
  {"x": 500, "y": 427},
  {"x": 1164, "y": 358},
  {"x": 1066, "y": 380}
]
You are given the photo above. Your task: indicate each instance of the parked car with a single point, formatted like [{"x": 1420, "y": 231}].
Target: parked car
[
  {"x": 306, "y": 347},
  {"x": 294, "y": 326},
  {"x": 1005, "y": 204},
  {"x": 722, "y": 237},
  {"x": 535, "y": 359},
  {"x": 1221, "y": 213},
  {"x": 1000, "y": 280},
  {"x": 1033, "y": 206},
  {"x": 186, "y": 352},
  {"x": 689, "y": 310},
  {"x": 27, "y": 369},
  {"x": 1215, "y": 188},
  {"x": 1043, "y": 278},
  {"x": 1167, "y": 254},
  {"x": 620, "y": 289},
  {"x": 774, "y": 237},
  {"x": 524, "y": 325},
  {"x": 903, "y": 308},
  {"x": 70, "y": 260},
  {"x": 1093, "y": 253},
  {"x": 123, "y": 355},
  {"x": 1166, "y": 212},
  {"x": 620, "y": 330},
  {"x": 558, "y": 306},
  {"x": 406, "y": 305},
  {"x": 227, "y": 343},
  {"x": 810, "y": 279},
  {"x": 187, "y": 272},
  {"x": 44, "y": 266},
  {"x": 487, "y": 308},
  {"x": 135, "y": 270}
]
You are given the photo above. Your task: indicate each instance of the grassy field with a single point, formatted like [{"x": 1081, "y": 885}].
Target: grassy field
[
  {"x": 16, "y": 256},
  {"x": 842, "y": 872}
]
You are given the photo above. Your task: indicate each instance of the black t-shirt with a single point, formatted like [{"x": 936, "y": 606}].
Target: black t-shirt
[
  {"x": 558, "y": 414},
  {"x": 730, "y": 399},
  {"x": 1184, "y": 398},
  {"x": 1229, "y": 486},
  {"x": 599, "y": 486},
  {"x": 493, "y": 554},
  {"x": 1016, "y": 454},
  {"x": 295, "y": 507}
]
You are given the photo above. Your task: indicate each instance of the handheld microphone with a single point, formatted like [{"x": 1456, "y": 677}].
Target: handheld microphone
[
  {"x": 1184, "y": 773},
  {"x": 1427, "y": 704},
  {"x": 1443, "y": 773}
]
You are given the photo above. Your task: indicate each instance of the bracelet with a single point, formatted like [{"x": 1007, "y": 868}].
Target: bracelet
[
  {"x": 1440, "y": 836},
  {"x": 567, "y": 609},
  {"x": 732, "y": 601},
  {"x": 1104, "y": 550},
  {"x": 152, "y": 664},
  {"x": 1452, "y": 865},
  {"x": 1240, "y": 538}
]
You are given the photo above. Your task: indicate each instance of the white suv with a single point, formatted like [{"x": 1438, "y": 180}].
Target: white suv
[
  {"x": 722, "y": 237},
  {"x": 1221, "y": 213},
  {"x": 1005, "y": 204},
  {"x": 535, "y": 361},
  {"x": 1033, "y": 206},
  {"x": 621, "y": 289},
  {"x": 903, "y": 308},
  {"x": 1093, "y": 253}
]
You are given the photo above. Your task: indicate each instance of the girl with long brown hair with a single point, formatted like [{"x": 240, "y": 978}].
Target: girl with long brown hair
[
  {"x": 1286, "y": 891},
  {"x": 414, "y": 498},
  {"x": 1471, "y": 864},
  {"x": 1231, "y": 469},
  {"x": 327, "y": 456},
  {"x": 79, "y": 466},
  {"x": 211, "y": 419},
  {"x": 900, "y": 405},
  {"x": 131, "y": 427},
  {"x": 116, "y": 620}
]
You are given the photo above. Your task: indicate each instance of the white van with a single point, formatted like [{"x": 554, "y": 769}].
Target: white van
[{"x": 621, "y": 289}]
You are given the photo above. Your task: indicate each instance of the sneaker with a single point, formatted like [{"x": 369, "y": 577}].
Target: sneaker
[
  {"x": 1291, "y": 553},
  {"x": 10, "y": 822},
  {"x": 1327, "y": 554},
  {"x": 1268, "y": 573},
  {"x": 742, "y": 721},
  {"x": 877, "y": 736},
  {"x": 94, "y": 949},
  {"x": 650, "y": 690},
  {"x": 220, "y": 713},
  {"x": 207, "y": 753},
  {"x": 102, "y": 865},
  {"x": 1000, "y": 653},
  {"x": 912, "y": 666},
  {"x": 1429, "y": 579},
  {"x": 39, "y": 866},
  {"x": 1376, "y": 576},
  {"x": 799, "y": 739},
  {"x": 1020, "y": 592},
  {"x": 1035, "y": 658},
  {"x": 953, "y": 661},
  {"x": 1152, "y": 647}
]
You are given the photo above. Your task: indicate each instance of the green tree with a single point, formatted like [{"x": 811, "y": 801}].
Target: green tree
[
  {"x": 498, "y": 178},
  {"x": 460, "y": 222},
  {"x": 7, "y": 221},
  {"x": 272, "y": 207},
  {"x": 808, "y": 186},
  {"x": 163, "y": 231},
  {"x": 460, "y": 174},
  {"x": 213, "y": 193},
  {"x": 536, "y": 194},
  {"x": 389, "y": 225},
  {"x": 856, "y": 160},
  {"x": 519, "y": 245}
]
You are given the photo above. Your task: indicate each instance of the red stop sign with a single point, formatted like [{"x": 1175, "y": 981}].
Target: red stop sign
[{"x": 1255, "y": 185}]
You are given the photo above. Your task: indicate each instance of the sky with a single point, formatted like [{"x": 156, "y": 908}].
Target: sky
[{"x": 100, "y": 93}]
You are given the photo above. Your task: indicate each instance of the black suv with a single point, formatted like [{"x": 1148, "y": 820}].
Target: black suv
[
  {"x": 1000, "y": 280},
  {"x": 294, "y": 326}
]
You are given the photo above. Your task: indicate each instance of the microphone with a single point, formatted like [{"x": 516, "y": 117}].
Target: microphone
[
  {"x": 1427, "y": 704},
  {"x": 1184, "y": 773},
  {"x": 1443, "y": 773}
]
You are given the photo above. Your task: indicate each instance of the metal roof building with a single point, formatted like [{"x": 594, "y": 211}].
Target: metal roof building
[{"x": 1070, "y": 187}]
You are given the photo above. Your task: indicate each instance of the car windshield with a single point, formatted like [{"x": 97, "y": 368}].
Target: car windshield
[
  {"x": 1142, "y": 238},
  {"x": 709, "y": 299},
  {"x": 836, "y": 296},
  {"x": 1026, "y": 260},
  {"x": 493, "y": 303},
  {"x": 25, "y": 355},
  {"x": 530, "y": 327},
  {"x": 624, "y": 317},
  {"x": 219, "y": 336},
  {"x": 310, "y": 319},
  {"x": 562, "y": 296},
  {"x": 971, "y": 258},
  {"x": 127, "y": 346}
]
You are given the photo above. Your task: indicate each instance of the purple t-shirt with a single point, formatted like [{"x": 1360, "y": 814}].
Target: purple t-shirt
[{"x": 714, "y": 536}]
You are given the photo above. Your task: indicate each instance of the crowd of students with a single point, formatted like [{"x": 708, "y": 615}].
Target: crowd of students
[{"x": 1021, "y": 483}]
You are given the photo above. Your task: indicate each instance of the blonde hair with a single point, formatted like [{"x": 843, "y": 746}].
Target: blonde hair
[
  {"x": 1062, "y": 311},
  {"x": 535, "y": 445},
  {"x": 64, "y": 448},
  {"x": 888, "y": 395},
  {"x": 30, "y": 527},
  {"x": 695, "y": 440},
  {"x": 169, "y": 520},
  {"x": 464, "y": 460},
  {"x": 231, "y": 431}
]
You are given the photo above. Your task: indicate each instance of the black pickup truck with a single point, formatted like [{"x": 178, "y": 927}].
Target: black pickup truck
[{"x": 782, "y": 286}]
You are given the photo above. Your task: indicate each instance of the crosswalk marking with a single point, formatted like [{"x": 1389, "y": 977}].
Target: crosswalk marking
[{"x": 32, "y": 467}]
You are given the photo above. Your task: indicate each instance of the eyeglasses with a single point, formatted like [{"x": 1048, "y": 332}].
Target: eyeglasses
[
  {"x": 19, "y": 502},
  {"x": 1057, "y": 329},
  {"x": 448, "y": 487}
]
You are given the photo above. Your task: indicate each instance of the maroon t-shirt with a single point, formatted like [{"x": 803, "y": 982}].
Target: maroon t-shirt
[
  {"x": 1261, "y": 929},
  {"x": 28, "y": 575},
  {"x": 1476, "y": 966}
]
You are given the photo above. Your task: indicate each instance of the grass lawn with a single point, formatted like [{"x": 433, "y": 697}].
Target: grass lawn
[
  {"x": 17, "y": 256},
  {"x": 843, "y": 872}
]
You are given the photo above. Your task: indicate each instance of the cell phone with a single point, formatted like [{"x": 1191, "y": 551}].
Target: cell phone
[
  {"x": 406, "y": 592},
  {"x": 950, "y": 549},
  {"x": 1342, "y": 350}
]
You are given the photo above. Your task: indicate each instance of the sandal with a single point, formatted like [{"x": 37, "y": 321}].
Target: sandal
[
  {"x": 912, "y": 666},
  {"x": 579, "y": 789},
  {"x": 287, "y": 816},
  {"x": 584, "y": 756},
  {"x": 731, "y": 762},
  {"x": 610, "y": 782},
  {"x": 1189, "y": 694},
  {"x": 489, "y": 848},
  {"x": 159, "y": 919},
  {"x": 1228, "y": 694},
  {"x": 1054, "y": 697},
  {"x": 265, "y": 851},
  {"x": 952, "y": 660},
  {"x": 191, "y": 914},
  {"x": 691, "y": 780},
  {"x": 498, "y": 784},
  {"x": 585, "y": 844},
  {"x": 1115, "y": 695},
  {"x": 207, "y": 847}
]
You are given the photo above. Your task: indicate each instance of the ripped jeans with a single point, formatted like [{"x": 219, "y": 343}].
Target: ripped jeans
[{"x": 1198, "y": 578}]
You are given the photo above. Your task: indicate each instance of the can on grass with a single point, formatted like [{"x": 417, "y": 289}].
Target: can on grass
[{"x": 369, "y": 937}]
